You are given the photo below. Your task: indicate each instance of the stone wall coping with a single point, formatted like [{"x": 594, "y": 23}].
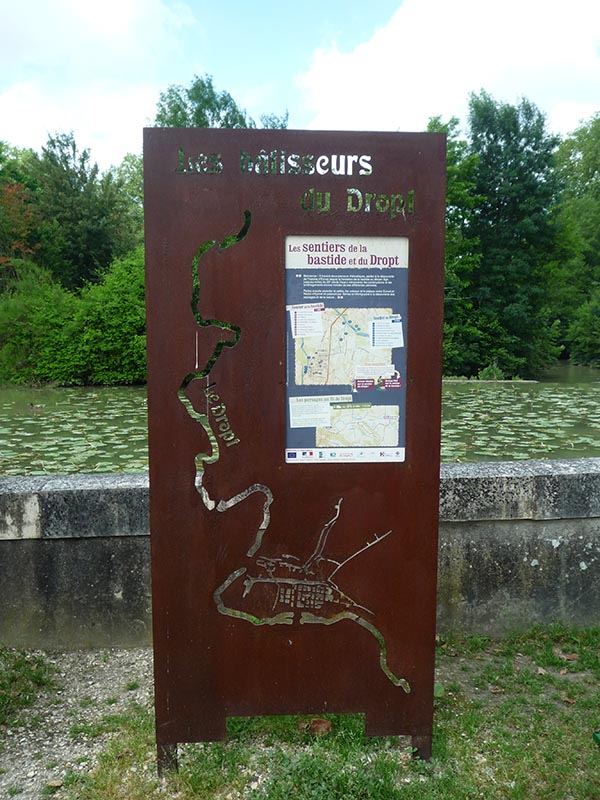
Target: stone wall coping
[
  {"x": 567, "y": 489},
  {"x": 74, "y": 506},
  {"x": 36, "y": 484},
  {"x": 92, "y": 505}
]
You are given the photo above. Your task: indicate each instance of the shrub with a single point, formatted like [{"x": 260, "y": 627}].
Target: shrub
[
  {"x": 97, "y": 337},
  {"x": 584, "y": 332},
  {"x": 491, "y": 373},
  {"x": 35, "y": 314},
  {"x": 111, "y": 324}
]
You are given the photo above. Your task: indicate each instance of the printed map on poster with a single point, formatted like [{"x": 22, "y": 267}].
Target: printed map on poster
[
  {"x": 332, "y": 357},
  {"x": 346, "y": 316},
  {"x": 358, "y": 425}
]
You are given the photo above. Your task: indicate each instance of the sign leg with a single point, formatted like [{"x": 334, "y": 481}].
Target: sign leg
[
  {"x": 421, "y": 746},
  {"x": 166, "y": 758}
]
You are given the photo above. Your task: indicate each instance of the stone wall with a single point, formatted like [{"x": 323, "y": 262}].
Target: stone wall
[
  {"x": 75, "y": 561},
  {"x": 519, "y": 544}
]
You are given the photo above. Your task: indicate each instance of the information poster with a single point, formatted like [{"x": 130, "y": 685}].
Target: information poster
[{"x": 346, "y": 316}]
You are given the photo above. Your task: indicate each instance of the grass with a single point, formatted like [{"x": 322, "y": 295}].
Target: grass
[
  {"x": 515, "y": 721},
  {"x": 22, "y": 676},
  {"x": 109, "y": 723}
]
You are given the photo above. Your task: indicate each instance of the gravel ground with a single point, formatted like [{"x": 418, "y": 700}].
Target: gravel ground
[{"x": 37, "y": 753}]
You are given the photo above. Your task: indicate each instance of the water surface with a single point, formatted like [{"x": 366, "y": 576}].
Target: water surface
[
  {"x": 558, "y": 417},
  {"x": 57, "y": 430},
  {"x": 62, "y": 431}
]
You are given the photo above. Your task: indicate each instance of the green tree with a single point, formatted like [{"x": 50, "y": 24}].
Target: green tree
[
  {"x": 202, "y": 106},
  {"x": 85, "y": 218},
  {"x": 16, "y": 166},
  {"x": 569, "y": 278},
  {"x": 462, "y": 336},
  {"x": 579, "y": 159},
  {"x": 129, "y": 176},
  {"x": 578, "y": 222},
  {"x": 517, "y": 185}
]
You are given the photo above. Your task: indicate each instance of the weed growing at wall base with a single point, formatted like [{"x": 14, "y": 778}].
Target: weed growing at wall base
[{"x": 22, "y": 676}]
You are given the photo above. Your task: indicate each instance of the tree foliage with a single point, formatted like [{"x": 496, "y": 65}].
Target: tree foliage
[
  {"x": 111, "y": 325},
  {"x": 18, "y": 215},
  {"x": 513, "y": 225},
  {"x": 48, "y": 333},
  {"x": 462, "y": 336},
  {"x": 202, "y": 106},
  {"x": 16, "y": 223},
  {"x": 577, "y": 276},
  {"x": 522, "y": 245},
  {"x": 35, "y": 319},
  {"x": 584, "y": 331},
  {"x": 85, "y": 217},
  {"x": 512, "y": 193}
]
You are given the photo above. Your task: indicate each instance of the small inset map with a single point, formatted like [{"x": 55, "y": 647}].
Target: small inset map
[
  {"x": 332, "y": 358},
  {"x": 360, "y": 425}
]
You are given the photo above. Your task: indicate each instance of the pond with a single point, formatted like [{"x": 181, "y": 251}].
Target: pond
[
  {"x": 557, "y": 417},
  {"x": 57, "y": 430}
]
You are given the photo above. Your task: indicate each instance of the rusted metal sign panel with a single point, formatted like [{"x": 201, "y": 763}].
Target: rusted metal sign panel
[{"x": 294, "y": 285}]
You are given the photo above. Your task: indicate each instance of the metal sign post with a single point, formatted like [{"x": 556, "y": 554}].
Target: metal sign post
[{"x": 294, "y": 294}]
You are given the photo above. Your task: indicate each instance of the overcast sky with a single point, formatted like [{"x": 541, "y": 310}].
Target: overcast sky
[{"x": 97, "y": 67}]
